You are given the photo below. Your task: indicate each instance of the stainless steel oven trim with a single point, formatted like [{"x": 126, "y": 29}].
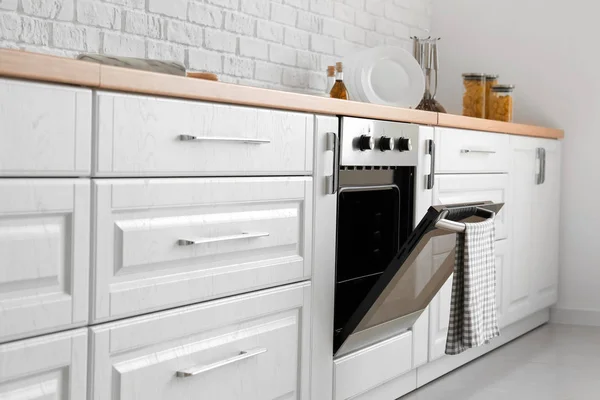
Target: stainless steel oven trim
[{"x": 370, "y": 188}]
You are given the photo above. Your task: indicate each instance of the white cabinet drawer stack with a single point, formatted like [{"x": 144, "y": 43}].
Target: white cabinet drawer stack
[{"x": 152, "y": 248}]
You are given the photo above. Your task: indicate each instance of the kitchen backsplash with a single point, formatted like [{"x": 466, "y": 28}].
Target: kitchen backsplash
[{"x": 283, "y": 44}]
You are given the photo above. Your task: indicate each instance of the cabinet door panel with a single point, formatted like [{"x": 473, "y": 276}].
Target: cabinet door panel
[
  {"x": 531, "y": 281},
  {"x": 545, "y": 219},
  {"x": 50, "y": 367},
  {"x": 518, "y": 279},
  {"x": 44, "y": 255}
]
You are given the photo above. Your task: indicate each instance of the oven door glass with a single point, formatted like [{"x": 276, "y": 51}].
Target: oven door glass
[{"x": 409, "y": 283}]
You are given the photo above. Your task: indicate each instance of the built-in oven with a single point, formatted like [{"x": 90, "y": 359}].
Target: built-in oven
[{"x": 385, "y": 276}]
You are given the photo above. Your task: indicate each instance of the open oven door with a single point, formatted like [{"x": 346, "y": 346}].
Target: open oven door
[{"x": 410, "y": 282}]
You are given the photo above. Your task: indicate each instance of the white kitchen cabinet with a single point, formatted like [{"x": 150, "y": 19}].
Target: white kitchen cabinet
[
  {"x": 45, "y": 130},
  {"x": 531, "y": 282},
  {"x": 248, "y": 347},
  {"x": 44, "y": 255},
  {"x": 156, "y": 136},
  {"x": 50, "y": 367},
  {"x": 166, "y": 242}
]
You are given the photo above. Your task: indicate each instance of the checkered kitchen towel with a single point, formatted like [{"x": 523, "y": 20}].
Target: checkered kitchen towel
[{"x": 473, "y": 319}]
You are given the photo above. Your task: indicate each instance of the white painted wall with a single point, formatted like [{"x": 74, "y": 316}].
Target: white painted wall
[
  {"x": 548, "y": 48},
  {"x": 283, "y": 44}
]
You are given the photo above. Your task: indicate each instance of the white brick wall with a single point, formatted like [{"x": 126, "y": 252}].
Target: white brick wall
[{"x": 282, "y": 44}]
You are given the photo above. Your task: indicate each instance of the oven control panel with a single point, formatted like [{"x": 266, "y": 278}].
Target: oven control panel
[{"x": 366, "y": 142}]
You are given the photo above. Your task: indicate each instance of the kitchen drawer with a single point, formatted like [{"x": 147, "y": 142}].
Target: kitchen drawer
[
  {"x": 249, "y": 233},
  {"x": 141, "y": 136},
  {"x": 44, "y": 255},
  {"x": 47, "y": 367},
  {"x": 455, "y": 189},
  {"x": 361, "y": 371},
  {"x": 46, "y": 129},
  {"x": 251, "y": 347},
  {"x": 462, "y": 151}
]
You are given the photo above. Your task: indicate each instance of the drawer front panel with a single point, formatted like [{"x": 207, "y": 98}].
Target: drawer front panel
[
  {"x": 247, "y": 347},
  {"x": 44, "y": 255},
  {"x": 141, "y": 136},
  {"x": 461, "y": 151},
  {"x": 366, "y": 369},
  {"x": 166, "y": 242},
  {"x": 49, "y": 367},
  {"x": 46, "y": 129}
]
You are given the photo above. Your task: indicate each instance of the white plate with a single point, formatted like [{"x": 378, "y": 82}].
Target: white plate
[
  {"x": 390, "y": 76},
  {"x": 352, "y": 77}
]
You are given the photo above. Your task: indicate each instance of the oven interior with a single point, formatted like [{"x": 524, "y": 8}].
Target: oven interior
[{"x": 375, "y": 218}]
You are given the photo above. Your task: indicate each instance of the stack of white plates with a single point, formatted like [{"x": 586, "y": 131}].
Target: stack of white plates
[{"x": 385, "y": 75}]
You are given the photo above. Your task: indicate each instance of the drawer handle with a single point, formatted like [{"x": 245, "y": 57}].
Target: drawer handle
[
  {"x": 245, "y": 235},
  {"x": 189, "y": 138},
  {"x": 205, "y": 368},
  {"x": 477, "y": 151}
]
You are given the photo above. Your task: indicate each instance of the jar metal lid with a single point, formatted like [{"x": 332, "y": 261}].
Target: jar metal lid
[
  {"x": 492, "y": 76},
  {"x": 473, "y": 76},
  {"x": 503, "y": 88}
]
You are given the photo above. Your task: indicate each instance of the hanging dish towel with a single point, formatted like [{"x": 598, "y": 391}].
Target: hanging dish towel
[{"x": 473, "y": 318}]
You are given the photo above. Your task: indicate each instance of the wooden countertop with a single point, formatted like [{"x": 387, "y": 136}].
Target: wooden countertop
[{"x": 41, "y": 67}]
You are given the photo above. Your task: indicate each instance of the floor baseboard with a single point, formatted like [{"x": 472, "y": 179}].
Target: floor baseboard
[{"x": 570, "y": 316}]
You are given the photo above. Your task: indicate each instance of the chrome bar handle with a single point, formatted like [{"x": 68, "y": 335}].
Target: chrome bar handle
[
  {"x": 190, "y": 138},
  {"x": 466, "y": 151},
  {"x": 543, "y": 166},
  {"x": 540, "y": 154},
  {"x": 243, "y": 355},
  {"x": 454, "y": 226},
  {"x": 430, "y": 149},
  {"x": 332, "y": 181},
  {"x": 245, "y": 235}
]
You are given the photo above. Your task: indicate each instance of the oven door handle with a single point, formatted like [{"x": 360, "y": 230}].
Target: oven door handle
[{"x": 332, "y": 181}]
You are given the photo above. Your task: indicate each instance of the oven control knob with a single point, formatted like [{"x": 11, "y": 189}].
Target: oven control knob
[
  {"x": 404, "y": 144},
  {"x": 366, "y": 142},
  {"x": 386, "y": 143}
]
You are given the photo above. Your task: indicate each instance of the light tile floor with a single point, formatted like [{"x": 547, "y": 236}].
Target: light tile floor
[{"x": 559, "y": 362}]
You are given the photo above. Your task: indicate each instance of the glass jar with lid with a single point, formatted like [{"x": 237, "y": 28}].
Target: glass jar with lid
[
  {"x": 502, "y": 103},
  {"x": 474, "y": 95},
  {"x": 490, "y": 80}
]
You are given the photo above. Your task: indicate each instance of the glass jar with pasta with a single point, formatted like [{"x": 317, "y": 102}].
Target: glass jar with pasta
[
  {"x": 501, "y": 107},
  {"x": 474, "y": 95},
  {"x": 490, "y": 80}
]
